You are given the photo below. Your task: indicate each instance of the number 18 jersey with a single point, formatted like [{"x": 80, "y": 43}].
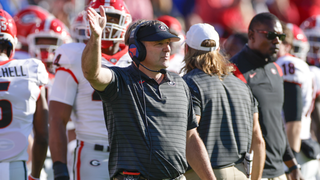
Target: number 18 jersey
[
  {"x": 20, "y": 83},
  {"x": 297, "y": 71}
]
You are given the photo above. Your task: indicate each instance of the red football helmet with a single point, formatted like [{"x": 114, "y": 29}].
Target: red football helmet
[
  {"x": 115, "y": 31},
  {"x": 311, "y": 28},
  {"x": 79, "y": 28},
  {"x": 8, "y": 31},
  {"x": 26, "y": 19},
  {"x": 300, "y": 42},
  {"x": 46, "y": 37}
]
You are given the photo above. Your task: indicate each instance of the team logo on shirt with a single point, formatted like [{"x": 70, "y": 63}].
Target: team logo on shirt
[
  {"x": 95, "y": 162},
  {"x": 6, "y": 144},
  {"x": 171, "y": 83},
  {"x": 273, "y": 71},
  {"x": 113, "y": 60},
  {"x": 252, "y": 75}
]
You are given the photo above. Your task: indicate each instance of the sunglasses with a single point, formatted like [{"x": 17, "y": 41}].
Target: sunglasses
[{"x": 273, "y": 35}]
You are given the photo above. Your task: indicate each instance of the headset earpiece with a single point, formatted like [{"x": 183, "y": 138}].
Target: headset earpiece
[{"x": 137, "y": 50}]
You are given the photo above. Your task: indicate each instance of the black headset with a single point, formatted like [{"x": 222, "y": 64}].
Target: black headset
[{"x": 137, "y": 50}]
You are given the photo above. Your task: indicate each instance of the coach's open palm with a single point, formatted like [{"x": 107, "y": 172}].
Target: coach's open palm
[{"x": 96, "y": 21}]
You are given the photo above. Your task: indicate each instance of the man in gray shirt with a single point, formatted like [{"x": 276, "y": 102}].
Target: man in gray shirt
[
  {"x": 149, "y": 116},
  {"x": 225, "y": 108}
]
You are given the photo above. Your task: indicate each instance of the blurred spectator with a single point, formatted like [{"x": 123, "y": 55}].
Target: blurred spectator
[
  {"x": 182, "y": 7},
  {"x": 285, "y": 10},
  {"x": 140, "y": 9},
  {"x": 234, "y": 43},
  {"x": 13, "y": 6},
  {"x": 161, "y": 7},
  {"x": 61, "y": 9},
  {"x": 306, "y": 9},
  {"x": 226, "y": 16}
]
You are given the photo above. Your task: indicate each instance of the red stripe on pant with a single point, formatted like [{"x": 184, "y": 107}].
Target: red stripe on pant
[{"x": 79, "y": 160}]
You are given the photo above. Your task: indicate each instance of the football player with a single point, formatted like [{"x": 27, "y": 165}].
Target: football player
[
  {"x": 23, "y": 107},
  {"x": 72, "y": 94},
  {"x": 25, "y": 19},
  {"x": 44, "y": 38},
  {"x": 311, "y": 28},
  {"x": 78, "y": 28},
  {"x": 298, "y": 97}
]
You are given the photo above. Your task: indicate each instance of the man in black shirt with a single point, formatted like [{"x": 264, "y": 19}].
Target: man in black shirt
[
  {"x": 255, "y": 66},
  {"x": 149, "y": 116}
]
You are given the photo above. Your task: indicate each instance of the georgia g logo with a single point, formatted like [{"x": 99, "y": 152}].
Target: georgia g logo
[
  {"x": 95, "y": 162},
  {"x": 162, "y": 28}
]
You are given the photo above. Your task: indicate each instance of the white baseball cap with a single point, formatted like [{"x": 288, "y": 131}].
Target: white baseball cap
[{"x": 200, "y": 32}]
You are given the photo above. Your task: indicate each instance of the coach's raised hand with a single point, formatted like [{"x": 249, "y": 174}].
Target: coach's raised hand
[{"x": 97, "y": 21}]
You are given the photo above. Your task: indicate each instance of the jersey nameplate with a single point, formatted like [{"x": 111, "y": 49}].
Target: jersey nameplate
[{"x": 12, "y": 72}]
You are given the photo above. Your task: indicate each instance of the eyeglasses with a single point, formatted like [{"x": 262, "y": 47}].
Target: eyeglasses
[{"x": 273, "y": 35}]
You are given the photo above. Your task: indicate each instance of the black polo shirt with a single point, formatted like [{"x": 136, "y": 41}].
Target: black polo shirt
[
  {"x": 147, "y": 123},
  {"x": 266, "y": 83},
  {"x": 226, "y": 108}
]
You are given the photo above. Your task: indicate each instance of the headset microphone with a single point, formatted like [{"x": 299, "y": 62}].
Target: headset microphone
[{"x": 162, "y": 71}]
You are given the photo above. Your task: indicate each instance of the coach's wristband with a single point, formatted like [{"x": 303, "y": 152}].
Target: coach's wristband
[
  {"x": 60, "y": 171},
  {"x": 32, "y": 178},
  {"x": 297, "y": 166}
]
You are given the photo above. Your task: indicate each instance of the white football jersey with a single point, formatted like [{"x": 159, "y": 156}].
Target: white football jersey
[
  {"x": 176, "y": 63},
  {"x": 20, "y": 83},
  {"x": 72, "y": 88},
  {"x": 316, "y": 72},
  {"x": 297, "y": 71}
]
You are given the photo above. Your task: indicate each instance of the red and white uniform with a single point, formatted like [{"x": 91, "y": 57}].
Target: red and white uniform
[
  {"x": 297, "y": 71},
  {"x": 71, "y": 87},
  {"x": 316, "y": 72},
  {"x": 20, "y": 85},
  {"x": 176, "y": 63}
]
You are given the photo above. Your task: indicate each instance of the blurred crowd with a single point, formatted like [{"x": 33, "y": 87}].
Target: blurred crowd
[{"x": 227, "y": 16}]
